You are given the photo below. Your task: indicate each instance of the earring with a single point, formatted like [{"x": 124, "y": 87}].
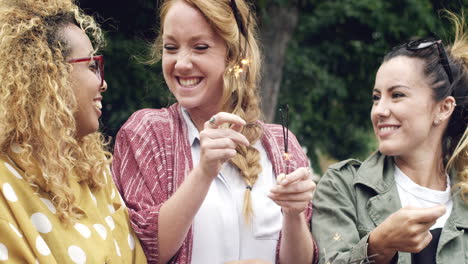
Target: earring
[{"x": 438, "y": 121}]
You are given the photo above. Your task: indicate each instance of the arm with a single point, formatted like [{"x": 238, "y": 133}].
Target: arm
[
  {"x": 294, "y": 196},
  {"x": 169, "y": 218},
  {"x": 293, "y": 193},
  {"x": 336, "y": 225},
  {"x": 334, "y": 220}
]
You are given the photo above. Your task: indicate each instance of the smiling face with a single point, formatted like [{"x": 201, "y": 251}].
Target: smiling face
[
  {"x": 404, "y": 111},
  {"x": 85, "y": 82},
  {"x": 193, "y": 60}
]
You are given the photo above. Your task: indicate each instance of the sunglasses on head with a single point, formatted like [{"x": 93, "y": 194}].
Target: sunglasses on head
[
  {"x": 426, "y": 43},
  {"x": 99, "y": 60}
]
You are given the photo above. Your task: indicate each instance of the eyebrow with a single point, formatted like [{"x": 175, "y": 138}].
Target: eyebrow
[
  {"x": 194, "y": 38},
  {"x": 393, "y": 87}
]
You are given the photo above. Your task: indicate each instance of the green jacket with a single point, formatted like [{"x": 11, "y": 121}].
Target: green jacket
[{"x": 353, "y": 198}]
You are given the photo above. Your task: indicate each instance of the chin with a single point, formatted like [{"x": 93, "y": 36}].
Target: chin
[{"x": 389, "y": 150}]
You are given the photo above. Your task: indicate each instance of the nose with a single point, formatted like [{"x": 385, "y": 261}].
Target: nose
[
  {"x": 381, "y": 108},
  {"x": 183, "y": 63},
  {"x": 103, "y": 88}
]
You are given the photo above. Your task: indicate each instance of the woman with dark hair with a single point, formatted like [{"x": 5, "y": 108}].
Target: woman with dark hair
[
  {"x": 200, "y": 177},
  {"x": 58, "y": 202},
  {"x": 406, "y": 203}
]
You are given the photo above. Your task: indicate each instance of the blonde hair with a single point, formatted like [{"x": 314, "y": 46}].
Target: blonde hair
[
  {"x": 459, "y": 161},
  {"x": 459, "y": 52},
  {"x": 37, "y": 103},
  {"x": 240, "y": 91}
]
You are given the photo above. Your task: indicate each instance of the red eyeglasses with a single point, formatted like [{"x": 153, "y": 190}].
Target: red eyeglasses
[{"x": 99, "y": 65}]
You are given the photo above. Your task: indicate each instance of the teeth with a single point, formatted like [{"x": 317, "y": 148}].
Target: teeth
[
  {"x": 189, "y": 81},
  {"x": 383, "y": 129},
  {"x": 98, "y": 104}
]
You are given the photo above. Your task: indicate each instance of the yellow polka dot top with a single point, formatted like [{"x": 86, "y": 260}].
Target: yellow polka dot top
[{"x": 31, "y": 232}]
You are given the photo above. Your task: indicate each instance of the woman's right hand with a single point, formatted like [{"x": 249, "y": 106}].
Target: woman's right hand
[
  {"x": 406, "y": 230},
  {"x": 218, "y": 143}
]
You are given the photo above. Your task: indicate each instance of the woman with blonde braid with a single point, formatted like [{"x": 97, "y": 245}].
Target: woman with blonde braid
[
  {"x": 199, "y": 177},
  {"x": 58, "y": 202},
  {"x": 407, "y": 203}
]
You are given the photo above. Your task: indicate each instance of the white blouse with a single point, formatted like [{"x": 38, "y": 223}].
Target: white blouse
[
  {"x": 416, "y": 195},
  {"x": 219, "y": 231}
]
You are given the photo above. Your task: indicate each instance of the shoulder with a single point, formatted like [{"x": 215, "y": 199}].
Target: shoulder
[
  {"x": 276, "y": 131},
  {"x": 345, "y": 165},
  {"x": 341, "y": 173},
  {"x": 145, "y": 120}
]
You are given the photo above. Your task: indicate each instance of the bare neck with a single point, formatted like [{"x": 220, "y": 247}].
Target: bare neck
[
  {"x": 200, "y": 116},
  {"x": 425, "y": 169}
]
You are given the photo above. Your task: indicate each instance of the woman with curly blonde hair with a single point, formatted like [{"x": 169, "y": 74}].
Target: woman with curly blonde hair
[
  {"x": 200, "y": 177},
  {"x": 58, "y": 203}
]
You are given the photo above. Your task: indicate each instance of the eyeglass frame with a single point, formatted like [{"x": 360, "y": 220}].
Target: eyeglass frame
[
  {"x": 443, "y": 58},
  {"x": 100, "y": 66}
]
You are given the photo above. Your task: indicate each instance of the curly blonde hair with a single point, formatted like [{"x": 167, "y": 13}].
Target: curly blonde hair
[
  {"x": 37, "y": 103},
  {"x": 240, "y": 91}
]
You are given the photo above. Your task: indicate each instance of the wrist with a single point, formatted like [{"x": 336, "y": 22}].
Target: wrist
[
  {"x": 202, "y": 176},
  {"x": 293, "y": 216},
  {"x": 376, "y": 244}
]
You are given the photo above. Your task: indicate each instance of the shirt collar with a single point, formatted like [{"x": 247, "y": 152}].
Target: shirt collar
[{"x": 193, "y": 133}]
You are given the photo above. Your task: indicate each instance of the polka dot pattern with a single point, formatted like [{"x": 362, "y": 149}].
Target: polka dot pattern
[
  {"x": 17, "y": 232},
  {"x": 117, "y": 248},
  {"x": 111, "y": 208},
  {"x": 131, "y": 242},
  {"x": 33, "y": 225},
  {"x": 101, "y": 230},
  {"x": 110, "y": 222},
  {"x": 13, "y": 171},
  {"x": 76, "y": 254},
  {"x": 93, "y": 197},
  {"x": 3, "y": 252},
  {"x": 83, "y": 230},
  {"x": 9, "y": 193},
  {"x": 49, "y": 205},
  {"x": 41, "y": 222},
  {"x": 42, "y": 247}
]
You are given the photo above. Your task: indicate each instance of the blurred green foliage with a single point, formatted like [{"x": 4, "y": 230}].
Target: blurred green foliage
[{"x": 331, "y": 63}]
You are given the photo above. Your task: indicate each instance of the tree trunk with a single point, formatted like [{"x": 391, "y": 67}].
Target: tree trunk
[{"x": 276, "y": 30}]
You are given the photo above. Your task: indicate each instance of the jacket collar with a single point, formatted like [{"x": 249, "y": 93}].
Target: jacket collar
[{"x": 376, "y": 172}]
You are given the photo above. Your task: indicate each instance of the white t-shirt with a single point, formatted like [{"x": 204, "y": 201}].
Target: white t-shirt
[
  {"x": 412, "y": 194},
  {"x": 219, "y": 231}
]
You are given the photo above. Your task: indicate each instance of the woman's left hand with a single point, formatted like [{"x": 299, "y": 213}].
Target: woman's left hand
[{"x": 294, "y": 191}]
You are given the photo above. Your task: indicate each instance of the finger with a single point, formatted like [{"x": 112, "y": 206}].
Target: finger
[
  {"x": 422, "y": 243},
  {"x": 218, "y": 143},
  {"x": 427, "y": 215},
  {"x": 299, "y": 174},
  {"x": 295, "y": 187},
  {"x": 222, "y": 118},
  {"x": 295, "y": 197},
  {"x": 292, "y": 205},
  {"x": 237, "y": 137},
  {"x": 222, "y": 155}
]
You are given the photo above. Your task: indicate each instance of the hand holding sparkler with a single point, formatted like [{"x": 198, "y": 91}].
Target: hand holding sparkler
[{"x": 294, "y": 191}]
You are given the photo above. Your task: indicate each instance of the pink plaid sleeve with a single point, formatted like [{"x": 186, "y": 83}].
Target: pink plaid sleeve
[{"x": 139, "y": 172}]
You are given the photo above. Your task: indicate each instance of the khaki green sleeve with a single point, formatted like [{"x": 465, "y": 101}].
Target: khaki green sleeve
[{"x": 334, "y": 222}]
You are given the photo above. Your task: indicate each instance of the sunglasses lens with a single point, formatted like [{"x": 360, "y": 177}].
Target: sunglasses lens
[{"x": 416, "y": 45}]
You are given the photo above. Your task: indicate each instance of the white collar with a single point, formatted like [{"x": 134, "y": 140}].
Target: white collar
[{"x": 193, "y": 132}]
